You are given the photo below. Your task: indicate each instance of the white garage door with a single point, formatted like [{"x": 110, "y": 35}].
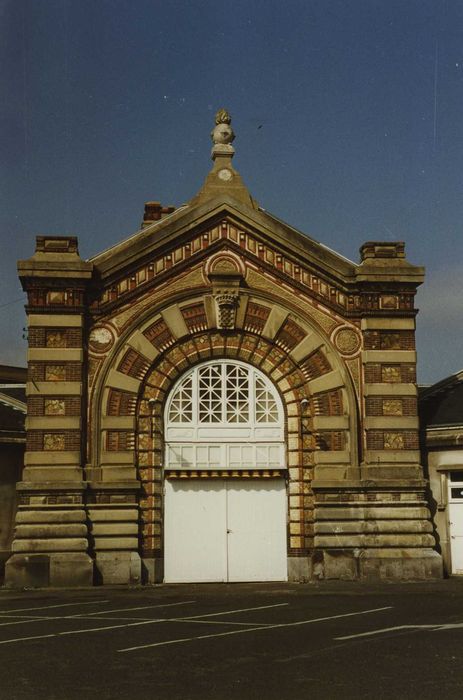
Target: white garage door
[{"x": 225, "y": 530}]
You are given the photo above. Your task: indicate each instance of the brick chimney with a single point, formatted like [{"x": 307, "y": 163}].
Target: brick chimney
[{"x": 154, "y": 211}]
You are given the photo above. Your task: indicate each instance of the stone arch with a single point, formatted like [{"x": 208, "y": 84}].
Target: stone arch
[
  {"x": 303, "y": 363},
  {"x": 293, "y": 338},
  {"x": 150, "y": 446}
]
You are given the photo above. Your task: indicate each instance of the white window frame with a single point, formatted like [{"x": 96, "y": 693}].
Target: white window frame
[{"x": 189, "y": 439}]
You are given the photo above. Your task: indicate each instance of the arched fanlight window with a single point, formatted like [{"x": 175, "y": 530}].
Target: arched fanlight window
[
  {"x": 230, "y": 403},
  {"x": 224, "y": 392}
]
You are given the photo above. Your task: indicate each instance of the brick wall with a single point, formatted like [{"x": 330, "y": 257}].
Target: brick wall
[
  {"x": 390, "y": 373},
  {"x": 392, "y": 440},
  {"x": 54, "y": 405},
  {"x": 391, "y": 406},
  {"x": 40, "y": 440},
  {"x": 55, "y": 337},
  {"x": 389, "y": 340}
]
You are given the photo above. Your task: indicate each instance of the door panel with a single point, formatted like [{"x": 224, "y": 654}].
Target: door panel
[
  {"x": 456, "y": 536},
  {"x": 225, "y": 531},
  {"x": 256, "y": 530},
  {"x": 195, "y": 532}
]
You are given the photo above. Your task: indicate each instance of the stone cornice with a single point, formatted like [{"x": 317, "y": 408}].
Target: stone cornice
[
  {"x": 119, "y": 283},
  {"x": 55, "y": 258},
  {"x": 446, "y": 435}
]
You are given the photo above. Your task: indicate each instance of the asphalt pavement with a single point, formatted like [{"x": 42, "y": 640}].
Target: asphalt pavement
[{"x": 234, "y": 641}]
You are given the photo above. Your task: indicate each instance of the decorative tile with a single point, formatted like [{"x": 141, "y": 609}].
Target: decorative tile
[
  {"x": 54, "y": 407},
  {"x": 53, "y": 441},
  {"x": 394, "y": 441},
  {"x": 392, "y": 407}
]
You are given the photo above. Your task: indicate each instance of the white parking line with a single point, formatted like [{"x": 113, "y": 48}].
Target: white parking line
[
  {"x": 24, "y": 620},
  {"x": 233, "y": 612},
  {"x": 383, "y": 630},
  {"x": 254, "y": 629},
  {"x": 79, "y": 616},
  {"x": 143, "y": 607},
  {"x": 95, "y": 629},
  {"x": 130, "y": 624},
  {"x": 435, "y": 628},
  {"x": 61, "y": 605},
  {"x": 110, "y": 627},
  {"x": 40, "y": 636},
  {"x": 33, "y": 617},
  {"x": 450, "y": 626},
  {"x": 217, "y": 622}
]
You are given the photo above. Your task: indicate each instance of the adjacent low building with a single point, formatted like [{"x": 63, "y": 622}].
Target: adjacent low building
[
  {"x": 441, "y": 411},
  {"x": 220, "y": 397},
  {"x": 12, "y": 446}
]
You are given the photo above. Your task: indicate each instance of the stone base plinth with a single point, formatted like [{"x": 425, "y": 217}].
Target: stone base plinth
[
  {"x": 57, "y": 569},
  {"x": 118, "y": 568},
  {"x": 299, "y": 569},
  {"x": 401, "y": 565},
  {"x": 376, "y": 564},
  {"x": 152, "y": 570}
]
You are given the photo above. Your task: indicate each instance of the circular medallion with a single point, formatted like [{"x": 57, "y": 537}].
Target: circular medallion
[
  {"x": 225, "y": 174},
  {"x": 347, "y": 341},
  {"x": 101, "y": 339}
]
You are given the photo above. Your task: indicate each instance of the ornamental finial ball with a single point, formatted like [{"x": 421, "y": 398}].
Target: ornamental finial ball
[{"x": 222, "y": 133}]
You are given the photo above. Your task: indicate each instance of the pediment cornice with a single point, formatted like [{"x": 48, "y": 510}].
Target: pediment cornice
[
  {"x": 189, "y": 221},
  {"x": 283, "y": 267}
]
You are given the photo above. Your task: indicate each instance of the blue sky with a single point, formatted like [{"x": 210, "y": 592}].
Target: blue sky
[{"x": 348, "y": 117}]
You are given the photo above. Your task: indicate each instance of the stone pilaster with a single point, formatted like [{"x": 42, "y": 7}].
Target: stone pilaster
[
  {"x": 50, "y": 546},
  {"x": 114, "y": 487},
  {"x": 378, "y": 525}
]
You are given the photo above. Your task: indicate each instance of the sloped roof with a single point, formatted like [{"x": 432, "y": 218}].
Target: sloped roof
[
  {"x": 225, "y": 196},
  {"x": 14, "y": 391},
  {"x": 207, "y": 211},
  {"x": 10, "y": 374},
  {"x": 178, "y": 225},
  {"x": 12, "y": 403},
  {"x": 12, "y": 418},
  {"x": 442, "y": 403}
]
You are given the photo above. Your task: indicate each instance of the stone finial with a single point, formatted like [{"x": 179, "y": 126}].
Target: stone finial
[
  {"x": 222, "y": 135},
  {"x": 223, "y": 117},
  {"x": 223, "y": 179}
]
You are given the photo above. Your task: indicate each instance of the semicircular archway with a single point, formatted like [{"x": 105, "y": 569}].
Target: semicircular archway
[{"x": 225, "y": 476}]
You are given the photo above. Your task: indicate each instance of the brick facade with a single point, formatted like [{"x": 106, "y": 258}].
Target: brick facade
[{"x": 220, "y": 279}]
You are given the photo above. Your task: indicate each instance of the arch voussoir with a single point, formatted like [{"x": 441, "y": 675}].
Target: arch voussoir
[
  {"x": 291, "y": 382},
  {"x": 295, "y": 358}
]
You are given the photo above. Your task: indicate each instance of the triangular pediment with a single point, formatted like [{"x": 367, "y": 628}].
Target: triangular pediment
[
  {"x": 187, "y": 222},
  {"x": 224, "y": 209}
]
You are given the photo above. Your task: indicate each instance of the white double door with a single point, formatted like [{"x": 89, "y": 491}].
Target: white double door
[{"x": 225, "y": 530}]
